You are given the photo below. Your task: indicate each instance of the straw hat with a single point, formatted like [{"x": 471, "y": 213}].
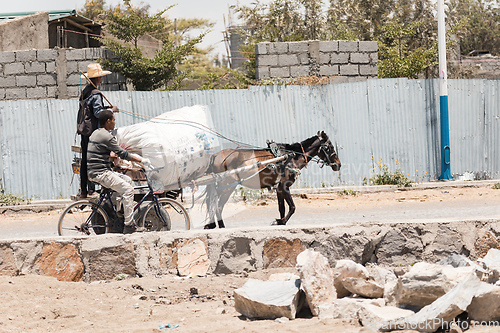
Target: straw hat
[{"x": 95, "y": 70}]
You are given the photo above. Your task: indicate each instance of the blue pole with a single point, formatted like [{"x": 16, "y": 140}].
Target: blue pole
[
  {"x": 445, "y": 138},
  {"x": 443, "y": 95}
]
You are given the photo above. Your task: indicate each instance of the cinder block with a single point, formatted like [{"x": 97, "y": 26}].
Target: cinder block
[
  {"x": 262, "y": 73},
  {"x": 13, "y": 68},
  {"x": 349, "y": 70},
  {"x": 360, "y": 58},
  {"x": 34, "y": 67},
  {"x": 329, "y": 46},
  {"x": 36, "y": 93},
  {"x": 73, "y": 91},
  {"x": 75, "y": 54},
  {"x": 7, "y": 57},
  {"x": 373, "y": 58},
  {"x": 313, "y": 50},
  {"x": 25, "y": 81},
  {"x": 368, "y": 46},
  {"x": 283, "y": 72},
  {"x": 82, "y": 66},
  {"x": 267, "y": 60},
  {"x": 298, "y": 71},
  {"x": 7, "y": 81},
  {"x": 303, "y": 58},
  {"x": 75, "y": 80},
  {"x": 298, "y": 47},
  {"x": 46, "y": 55},
  {"x": 261, "y": 48},
  {"x": 287, "y": 60},
  {"x": 46, "y": 79},
  {"x": 50, "y": 67},
  {"x": 348, "y": 46},
  {"x": 368, "y": 70},
  {"x": 324, "y": 58},
  {"x": 339, "y": 58},
  {"x": 15, "y": 93},
  {"x": 281, "y": 47},
  {"x": 72, "y": 67},
  {"x": 94, "y": 53},
  {"x": 328, "y": 70},
  {"x": 2, "y": 93},
  {"x": 51, "y": 92},
  {"x": 26, "y": 55}
]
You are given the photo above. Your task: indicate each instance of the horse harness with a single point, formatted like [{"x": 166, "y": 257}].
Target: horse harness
[{"x": 283, "y": 165}]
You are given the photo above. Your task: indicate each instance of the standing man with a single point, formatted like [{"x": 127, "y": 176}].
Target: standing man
[
  {"x": 91, "y": 105},
  {"x": 101, "y": 144}
]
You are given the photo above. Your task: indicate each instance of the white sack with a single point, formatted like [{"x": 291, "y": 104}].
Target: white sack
[{"x": 179, "y": 142}]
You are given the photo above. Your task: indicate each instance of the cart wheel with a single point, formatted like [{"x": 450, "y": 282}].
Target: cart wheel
[
  {"x": 173, "y": 216},
  {"x": 77, "y": 220}
]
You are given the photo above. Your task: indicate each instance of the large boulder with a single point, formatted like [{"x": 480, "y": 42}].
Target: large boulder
[
  {"x": 268, "y": 299},
  {"x": 316, "y": 278},
  {"x": 379, "y": 318},
  {"x": 362, "y": 287},
  {"x": 485, "y": 307},
  {"x": 346, "y": 308},
  {"x": 192, "y": 258},
  {"x": 347, "y": 268},
  {"x": 443, "y": 311},
  {"x": 491, "y": 263},
  {"x": 425, "y": 283}
]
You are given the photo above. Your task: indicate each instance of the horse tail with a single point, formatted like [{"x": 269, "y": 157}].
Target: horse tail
[{"x": 210, "y": 195}]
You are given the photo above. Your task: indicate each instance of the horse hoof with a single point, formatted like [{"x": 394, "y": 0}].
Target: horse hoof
[
  {"x": 210, "y": 226},
  {"x": 278, "y": 222}
]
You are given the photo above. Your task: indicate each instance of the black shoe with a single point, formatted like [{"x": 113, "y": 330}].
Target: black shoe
[
  {"x": 210, "y": 226},
  {"x": 129, "y": 229}
]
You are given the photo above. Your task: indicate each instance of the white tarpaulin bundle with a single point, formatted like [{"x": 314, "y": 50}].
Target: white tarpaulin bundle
[{"x": 178, "y": 142}]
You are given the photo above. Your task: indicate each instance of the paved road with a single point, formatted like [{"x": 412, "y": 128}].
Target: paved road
[{"x": 424, "y": 205}]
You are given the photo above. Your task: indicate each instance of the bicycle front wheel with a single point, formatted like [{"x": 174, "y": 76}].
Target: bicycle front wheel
[
  {"x": 83, "y": 218},
  {"x": 173, "y": 216}
]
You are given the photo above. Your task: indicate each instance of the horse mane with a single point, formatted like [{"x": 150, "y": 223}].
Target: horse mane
[{"x": 297, "y": 146}]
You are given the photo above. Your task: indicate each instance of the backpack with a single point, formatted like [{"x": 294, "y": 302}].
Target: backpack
[{"x": 86, "y": 122}]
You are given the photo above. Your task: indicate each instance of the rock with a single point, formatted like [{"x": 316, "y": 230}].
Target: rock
[
  {"x": 236, "y": 257},
  {"x": 454, "y": 328},
  {"x": 491, "y": 262},
  {"x": 281, "y": 252},
  {"x": 376, "y": 317},
  {"x": 60, "y": 261},
  {"x": 107, "y": 263},
  {"x": 283, "y": 277},
  {"x": 316, "y": 278},
  {"x": 426, "y": 282},
  {"x": 362, "y": 287},
  {"x": 380, "y": 275},
  {"x": 192, "y": 258},
  {"x": 456, "y": 260},
  {"x": 345, "y": 308},
  {"x": 442, "y": 311},
  {"x": 220, "y": 311},
  {"x": 347, "y": 268},
  {"x": 7, "y": 261},
  {"x": 268, "y": 299},
  {"x": 485, "y": 306},
  {"x": 282, "y": 320}
]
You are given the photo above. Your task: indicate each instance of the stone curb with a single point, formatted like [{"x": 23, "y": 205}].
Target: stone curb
[
  {"x": 48, "y": 205},
  {"x": 232, "y": 251}
]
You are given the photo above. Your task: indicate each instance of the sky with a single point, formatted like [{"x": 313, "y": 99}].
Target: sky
[{"x": 213, "y": 10}]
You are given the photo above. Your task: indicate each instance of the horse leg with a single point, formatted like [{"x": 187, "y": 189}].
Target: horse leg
[
  {"x": 289, "y": 201},
  {"x": 281, "y": 204},
  {"x": 223, "y": 198},
  {"x": 212, "y": 202}
]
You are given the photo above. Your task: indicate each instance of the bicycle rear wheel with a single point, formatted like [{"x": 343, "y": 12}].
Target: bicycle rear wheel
[
  {"x": 83, "y": 218},
  {"x": 175, "y": 216}
]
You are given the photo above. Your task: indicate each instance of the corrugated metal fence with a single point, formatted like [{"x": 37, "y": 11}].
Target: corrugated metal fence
[{"x": 393, "y": 121}]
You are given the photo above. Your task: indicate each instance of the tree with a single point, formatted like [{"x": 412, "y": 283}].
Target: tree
[
  {"x": 144, "y": 73},
  {"x": 92, "y": 9}
]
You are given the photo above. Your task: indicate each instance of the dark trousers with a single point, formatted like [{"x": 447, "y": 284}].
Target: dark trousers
[{"x": 86, "y": 186}]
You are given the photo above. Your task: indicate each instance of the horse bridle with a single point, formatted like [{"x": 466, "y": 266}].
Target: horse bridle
[{"x": 324, "y": 148}]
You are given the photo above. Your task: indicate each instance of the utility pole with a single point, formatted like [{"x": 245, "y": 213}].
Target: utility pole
[{"x": 443, "y": 94}]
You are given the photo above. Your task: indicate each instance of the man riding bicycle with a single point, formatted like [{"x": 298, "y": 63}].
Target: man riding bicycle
[{"x": 101, "y": 144}]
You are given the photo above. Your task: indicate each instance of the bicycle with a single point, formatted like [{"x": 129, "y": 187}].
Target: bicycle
[{"x": 87, "y": 217}]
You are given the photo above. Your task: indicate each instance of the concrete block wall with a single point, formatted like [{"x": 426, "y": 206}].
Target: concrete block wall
[
  {"x": 316, "y": 58},
  {"x": 50, "y": 73}
]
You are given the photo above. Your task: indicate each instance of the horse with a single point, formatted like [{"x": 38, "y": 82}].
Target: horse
[{"x": 283, "y": 175}]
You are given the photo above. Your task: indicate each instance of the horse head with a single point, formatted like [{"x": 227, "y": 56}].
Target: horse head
[{"x": 327, "y": 152}]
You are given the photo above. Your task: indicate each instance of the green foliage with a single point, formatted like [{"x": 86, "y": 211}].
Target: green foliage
[
  {"x": 496, "y": 186},
  {"x": 347, "y": 193},
  {"x": 145, "y": 73},
  {"x": 397, "y": 59},
  {"x": 92, "y": 9},
  {"x": 247, "y": 194},
  {"x": 382, "y": 175},
  {"x": 10, "y": 199}
]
